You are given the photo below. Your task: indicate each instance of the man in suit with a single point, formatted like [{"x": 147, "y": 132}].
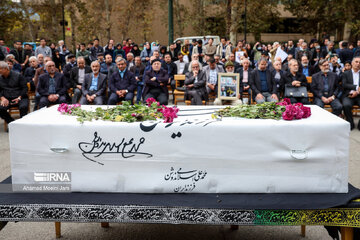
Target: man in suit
[
  {"x": 122, "y": 84},
  {"x": 77, "y": 76},
  {"x": 345, "y": 54},
  {"x": 171, "y": 68},
  {"x": 51, "y": 86},
  {"x": 138, "y": 70},
  {"x": 211, "y": 72},
  {"x": 180, "y": 64},
  {"x": 351, "y": 96},
  {"x": 94, "y": 86},
  {"x": 325, "y": 87},
  {"x": 244, "y": 72},
  {"x": 262, "y": 84},
  {"x": 156, "y": 80},
  {"x": 195, "y": 83},
  {"x": 13, "y": 92}
]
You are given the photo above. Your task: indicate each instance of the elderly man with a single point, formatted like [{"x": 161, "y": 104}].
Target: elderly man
[
  {"x": 13, "y": 92},
  {"x": 245, "y": 72},
  {"x": 43, "y": 49},
  {"x": 156, "y": 80},
  {"x": 278, "y": 75},
  {"x": 122, "y": 84},
  {"x": 325, "y": 86},
  {"x": 77, "y": 77},
  {"x": 195, "y": 83},
  {"x": 52, "y": 86},
  {"x": 130, "y": 60},
  {"x": 30, "y": 71},
  {"x": 294, "y": 78},
  {"x": 351, "y": 96},
  {"x": 211, "y": 71},
  {"x": 138, "y": 69},
  {"x": 262, "y": 84},
  {"x": 94, "y": 86}
]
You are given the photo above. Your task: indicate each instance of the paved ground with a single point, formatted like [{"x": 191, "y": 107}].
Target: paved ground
[{"x": 20, "y": 230}]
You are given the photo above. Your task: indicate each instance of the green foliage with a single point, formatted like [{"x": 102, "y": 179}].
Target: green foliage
[
  {"x": 265, "y": 110},
  {"x": 121, "y": 113}
]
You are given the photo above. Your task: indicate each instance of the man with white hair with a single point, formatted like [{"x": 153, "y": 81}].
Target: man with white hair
[
  {"x": 94, "y": 86},
  {"x": 13, "y": 92},
  {"x": 60, "y": 48},
  {"x": 130, "y": 60},
  {"x": 195, "y": 83},
  {"x": 295, "y": 78},
  {"x": 77, "y": 77},
  {"x": 30, "y": 71},
  {"x": 52, "y": 86}
]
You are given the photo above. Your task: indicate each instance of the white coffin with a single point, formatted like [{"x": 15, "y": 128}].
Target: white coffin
[{"x": 194, "y": 154}]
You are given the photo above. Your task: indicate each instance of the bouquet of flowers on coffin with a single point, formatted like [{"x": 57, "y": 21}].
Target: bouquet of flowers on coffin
[
  {"x": 126, "y": 112},
  {"x": 268, "y": 110}
]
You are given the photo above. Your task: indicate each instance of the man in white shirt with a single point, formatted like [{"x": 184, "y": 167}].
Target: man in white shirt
[
  {"x": 351, "y": 95},
  {"x": 180, "y": 64}
]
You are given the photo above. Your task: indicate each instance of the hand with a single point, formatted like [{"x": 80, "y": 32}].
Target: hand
[
  {"x": 324, "y": 99},
  {"x": 153, "y": 79},
  {"x": 78, "y": 86},
  {"x": 161, "y": 84},
  {"x": 246, "y": 88},
  {"x": 223, "y": 60},
  {"x": 169, "y": 81},
  {"x": 211, "y": 86},
  {"x": 190, "y": 86},
  {"x": 259, "y": 96},
  {"x": 274, "y": 96},
  {"x": 137, "y": 78},
  {"x": 195, "y": 73},
  {"x": 118, "y": 92},
  {"x": 93, "y": 97},
  {"x": 52, "y": 98},
  {"x": 353, "y": 94},
  {"x": 4, "y": 102},
  {"x": 15, "y": 101},
  {"x": 88, "y": 98}
]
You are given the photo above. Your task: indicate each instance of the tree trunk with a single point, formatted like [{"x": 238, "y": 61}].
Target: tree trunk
[
  {"x": 233, "y": 26},
  {"x": 228, "y": 17},
  {"x": 347, "y": 31},
  {"x": 108, "y": 23}
]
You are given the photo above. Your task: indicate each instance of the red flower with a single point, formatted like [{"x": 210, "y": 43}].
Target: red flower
[{"x": 307, "y": 111}]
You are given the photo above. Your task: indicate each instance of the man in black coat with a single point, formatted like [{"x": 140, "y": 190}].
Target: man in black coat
[
  {"x": 122, "y": 84},
  {"x": 13, "y": 92},
  {"x": 262, "y": 84},
  {"x": 94, "y": 86},
  {"x": 51, "y": 87},
  {"x": 77, "y": 76},
  {"x": 138, "y": 69},
  {"x": 156, "y": 80},
  {"x": 195, "y": 83},
  {"x": 294, "y": 78},
  {"x": 325, "y": 87},
  {"x": 351, "y": 96},
  {"x": 345, "y": 54},
  {"x": 171, "y": 69}
]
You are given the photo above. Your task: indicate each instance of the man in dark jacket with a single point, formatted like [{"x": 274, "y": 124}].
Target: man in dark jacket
[
  {"x": 138, "y": 69},
  {"x": 122, "y": 84},
  {"x": 156, "y": 80},
  {"x": 94, "y": 86},
  {"x": 262, "y": 84},
  {"x": 195, "y": 83},
  {"x": 325, "y": 87},
  {"x": 345, "y": 54},
  {"x": 171, "y": 68},
  {"x": 51, "y": 86},
  {"x": 13, "y": 92},
  {"x": 294, "y": 78},
  {"x": 350, "y": 81},
  {"x": 77, "y": 76}
]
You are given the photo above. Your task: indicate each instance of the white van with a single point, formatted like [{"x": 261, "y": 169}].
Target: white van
[{"x": 216, "y": 39}]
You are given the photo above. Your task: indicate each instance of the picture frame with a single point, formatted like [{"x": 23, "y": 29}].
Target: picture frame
[{"x": 228, "y": 86}]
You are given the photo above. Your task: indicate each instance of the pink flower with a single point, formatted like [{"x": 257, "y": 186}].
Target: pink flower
[
  {"x": 149, "y": 101},
  {"x": 298, "y": 113},
  {"x": 287, "y": 100},
  {"x": 65, "y": 108},
  {"x": 288, "y": 115},
  {"x": 133, "y": 115},
  {"x": 307, "y": 111},
  {"x": 281, "y": 103},
  {"x": 169, "y": 113},
  {"x": 298, "y": 105}
]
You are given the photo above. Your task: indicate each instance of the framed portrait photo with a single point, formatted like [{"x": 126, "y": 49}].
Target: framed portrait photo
[{"x": 228, "y": 86}]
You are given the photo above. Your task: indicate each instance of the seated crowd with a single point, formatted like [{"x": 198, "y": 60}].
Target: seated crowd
[{"x": 114, "y": 73}]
